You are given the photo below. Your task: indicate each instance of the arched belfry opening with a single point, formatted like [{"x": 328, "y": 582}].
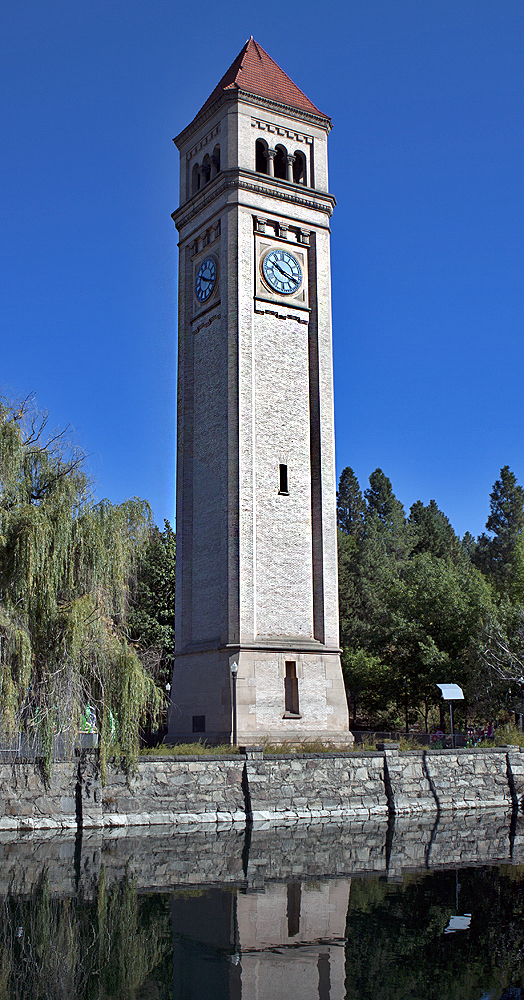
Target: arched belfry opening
[
  {"x": 299, "y": 168},
  {"x": 215, "y": 167},
  {"x": 195, "y": 178},
  {"x": 261, "y": 156},
  {"x": 280, "y": 162},
  {"x": 206, "y": 169}
]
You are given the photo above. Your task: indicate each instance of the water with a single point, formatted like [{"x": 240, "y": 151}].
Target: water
[{"x": 319, "y": 913}]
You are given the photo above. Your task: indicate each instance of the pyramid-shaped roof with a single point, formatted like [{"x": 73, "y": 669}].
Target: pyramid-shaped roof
[{"x": 257, "y": 73}]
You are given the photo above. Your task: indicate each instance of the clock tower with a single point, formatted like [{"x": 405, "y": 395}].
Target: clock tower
[{"x": 256, "y": 575}]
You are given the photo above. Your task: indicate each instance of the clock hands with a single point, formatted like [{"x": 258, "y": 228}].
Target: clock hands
[{"x": 285, "y": 273}]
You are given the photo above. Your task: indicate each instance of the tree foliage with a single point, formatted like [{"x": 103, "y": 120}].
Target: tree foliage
[
  {"x": 350, "y": 504},
  {"x": 414, "y": 610},
  {"x": 495, "y": 553},
  {"x": 65, "y": 566},
  {"x": 151, "y": 619}
]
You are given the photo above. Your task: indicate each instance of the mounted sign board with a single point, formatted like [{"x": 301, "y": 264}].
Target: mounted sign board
[
  {"x": 458, "y": 923},
  {"x": 451, "y": 692}
]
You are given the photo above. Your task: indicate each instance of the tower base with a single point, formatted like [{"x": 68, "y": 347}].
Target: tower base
[{"x": 284, "y": 691}]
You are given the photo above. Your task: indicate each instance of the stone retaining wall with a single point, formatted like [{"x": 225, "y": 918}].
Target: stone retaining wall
[
  {"x": 451, "y": 779},
  {"x": 250, "y": 786},
  {"x": 313, "y": 787},
  {"x": 184, "y": 790}
]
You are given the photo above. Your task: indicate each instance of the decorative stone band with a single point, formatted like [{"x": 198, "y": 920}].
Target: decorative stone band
[
  {"x": 277, "y": 130},
  {"x": 281, "y": 315},
  {"x": 203, "y": 142},
  {"x": 310, "y": 198}
]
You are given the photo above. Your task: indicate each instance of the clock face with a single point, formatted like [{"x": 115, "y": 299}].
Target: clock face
[
  {"x": 282, "y": 272},
  {"x": 205, "y": 280}
]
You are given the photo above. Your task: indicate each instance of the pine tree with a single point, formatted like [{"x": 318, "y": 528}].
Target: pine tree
[
  {"x": 495, "y": 555},
  {"x": 151, "y": 619},
  {"x": 370, "y": 563},
  {"x": 350, "y": 504},
  {"x": 65, "y": 565},
  {"x": 385, "y": 518},
  {"x": 433, "y": 533}
]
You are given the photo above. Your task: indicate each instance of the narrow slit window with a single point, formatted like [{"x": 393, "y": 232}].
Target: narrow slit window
[
  {"x": 293, "y": 908},
  {"x": 291, "y": 688},
  {"x": 282, "y": 479}
]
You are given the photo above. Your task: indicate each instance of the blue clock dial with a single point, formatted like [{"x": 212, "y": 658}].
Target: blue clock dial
[
  {"x": 282, "y": 272},
  {"x": 205, "y": 280}
]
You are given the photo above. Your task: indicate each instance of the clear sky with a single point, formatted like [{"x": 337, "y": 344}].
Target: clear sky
[{"x": 426, "y": 163}]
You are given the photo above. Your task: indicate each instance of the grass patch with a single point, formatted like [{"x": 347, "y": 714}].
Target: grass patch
[
  {"x": 307, "y": 746},
  {"x": 197, "y": 749}
]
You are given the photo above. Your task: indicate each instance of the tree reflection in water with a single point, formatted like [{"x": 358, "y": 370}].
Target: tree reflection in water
[
  {"x": 396, "y": 946},
  {"x": 226, "y": 942},
  {"x": 63, "y": 948}
]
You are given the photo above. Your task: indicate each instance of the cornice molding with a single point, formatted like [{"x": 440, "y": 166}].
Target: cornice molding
[
  {"x": 268, "y": 187},
  {"x": 267, "y": 644},
  {"x": 228, "y": 96}
]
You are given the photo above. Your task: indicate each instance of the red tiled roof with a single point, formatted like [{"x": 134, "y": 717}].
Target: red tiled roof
[{"x": 257, "y": 73}]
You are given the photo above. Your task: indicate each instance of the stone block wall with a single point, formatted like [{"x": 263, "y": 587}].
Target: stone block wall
[
  {"x": 268, "y": 790},
  {"x": 72, "y": 798},
  {"x": 315, "y": 786},
  {"x": 182, "y": 790},
  {"x": 426, "y": 780}
]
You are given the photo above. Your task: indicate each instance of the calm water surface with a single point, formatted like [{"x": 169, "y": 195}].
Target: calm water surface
[{"x": 311, "y": 913}]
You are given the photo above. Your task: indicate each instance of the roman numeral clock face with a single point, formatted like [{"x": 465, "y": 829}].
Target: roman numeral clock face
[
  {"x": 282, "y": 272},
  {"x": 205, "y": 280}
]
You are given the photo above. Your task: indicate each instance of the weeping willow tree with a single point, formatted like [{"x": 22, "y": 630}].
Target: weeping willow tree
[
  {"x": 116, "y": 945},
  {"x": 65, "y": 567}
]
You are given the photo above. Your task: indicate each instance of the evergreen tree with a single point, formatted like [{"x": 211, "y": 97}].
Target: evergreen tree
[
  {"x": 495, "y": 555},
  {"x": 433, "y": 533},
  {"x": 350, "y": 518},
  {"x": 413, "y": 608},
  {"x": 65, "y": 565},
  {"x": 369, "y": 566},
  {"x": 383, "y": 553},
  {"x": 385, "y": 518},
  {"x": 350, "y": 504},
  {"x": 469, "y": 545},
  {"x": 151, "y": 619}
]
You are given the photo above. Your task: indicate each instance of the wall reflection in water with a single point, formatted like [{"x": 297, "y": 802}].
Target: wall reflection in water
[
  {"x": 262, "y": 944},
  {"x": 320, "y": 913}
]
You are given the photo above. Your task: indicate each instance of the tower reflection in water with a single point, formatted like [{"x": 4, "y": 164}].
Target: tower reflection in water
[{"x": 261, "y": 944}]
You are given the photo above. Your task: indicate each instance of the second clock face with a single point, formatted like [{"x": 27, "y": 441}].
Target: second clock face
[
  {"x": 282, "y": 272},
  {"x": 205, "y": 280}
]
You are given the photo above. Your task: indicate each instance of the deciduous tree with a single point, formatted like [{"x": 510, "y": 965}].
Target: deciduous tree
[{"x": 65, "y": 565}]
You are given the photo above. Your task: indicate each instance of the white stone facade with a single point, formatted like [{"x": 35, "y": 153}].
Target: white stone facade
[{"x": 256, "y": 567}]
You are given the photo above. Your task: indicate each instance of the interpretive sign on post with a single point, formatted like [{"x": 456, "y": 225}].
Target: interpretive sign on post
[{"x": 451, "y": 693}]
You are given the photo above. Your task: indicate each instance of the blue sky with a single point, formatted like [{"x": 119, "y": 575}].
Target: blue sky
[{"x": 426, "y": 162}]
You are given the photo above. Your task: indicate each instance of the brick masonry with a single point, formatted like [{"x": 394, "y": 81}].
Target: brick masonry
[
  {"x": 276, "y": 790},
  {"x": 256, "y": 567}
]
